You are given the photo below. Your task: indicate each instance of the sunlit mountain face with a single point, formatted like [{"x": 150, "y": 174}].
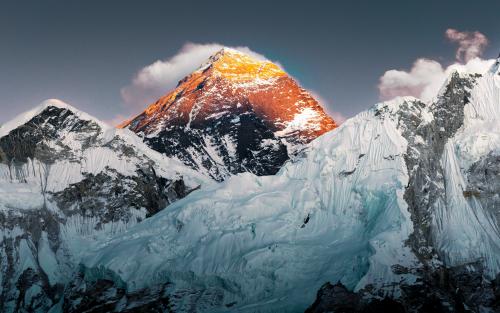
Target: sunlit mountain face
[{"x": 234, "y": 114}]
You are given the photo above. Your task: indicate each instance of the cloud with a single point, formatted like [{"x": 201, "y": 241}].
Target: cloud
[
  {"x": 116, "y": 120},
  {"x": 470, "y": 44},
  {"x": 419, "y": 82},
  {"x": 338, "y": 117},
  {"x": 154, "y": 80},
  {"x": 426, "y": 77}
]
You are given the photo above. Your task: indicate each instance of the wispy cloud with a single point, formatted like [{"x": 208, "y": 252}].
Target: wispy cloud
[
  {"x": 426, "y": 76},
  {"x": 337, "y": 116},
  {"x": 117, "y": 120},
  {"x": 470, "y": 44}
]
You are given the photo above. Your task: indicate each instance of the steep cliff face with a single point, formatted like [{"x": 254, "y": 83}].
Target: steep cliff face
[
  {"x": 391, "y": 204},
  {"x": 453, "y": 192},
  {"x": 66, "y": 181},
  {"x": 235, "y": 114}
]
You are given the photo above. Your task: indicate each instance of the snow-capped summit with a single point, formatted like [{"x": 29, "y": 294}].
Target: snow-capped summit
[
  {"x": 68, "y": 180},
  {"x": 236, "y": 113},
  {"x": 56, "y": 103}
]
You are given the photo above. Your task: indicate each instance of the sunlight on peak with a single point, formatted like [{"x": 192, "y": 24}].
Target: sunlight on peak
[{"x": 240, "y": 67}]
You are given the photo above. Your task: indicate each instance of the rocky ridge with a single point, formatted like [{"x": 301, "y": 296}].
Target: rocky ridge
[{"x": 67, "y": 180}]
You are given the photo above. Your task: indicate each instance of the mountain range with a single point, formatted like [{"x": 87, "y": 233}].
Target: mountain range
[{"x": 236, "y": 192}]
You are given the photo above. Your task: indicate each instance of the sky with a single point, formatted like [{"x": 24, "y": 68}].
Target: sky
[{"x": 109, "y": 58}]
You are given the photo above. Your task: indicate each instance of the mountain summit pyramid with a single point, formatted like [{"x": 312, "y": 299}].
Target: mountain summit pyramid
[{"x": 235, "y": 114}]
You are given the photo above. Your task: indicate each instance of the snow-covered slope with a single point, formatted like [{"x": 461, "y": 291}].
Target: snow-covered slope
[
  {"x": 80, "y": 150},
  {"x": 275, "y": 239},
  {"x": 467, "y": 223},
  {"x": 453, "y": 196},
  {"x": 384, "y": 202},
  {"x": 67, "y": 180}
]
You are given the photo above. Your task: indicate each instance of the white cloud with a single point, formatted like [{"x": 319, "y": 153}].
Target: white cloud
[
  {"x": 338, "y": 117},
  {"x": 116, "y": 120},
  {"x": 420, "y": 81},
  {"x": 426, "y": 77},
  {"x": 470, "y": 44},
  {"x": 154, "y": 80}
]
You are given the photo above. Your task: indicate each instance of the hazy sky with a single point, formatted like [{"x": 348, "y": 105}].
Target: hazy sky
[{"x": 86, "y": 52}]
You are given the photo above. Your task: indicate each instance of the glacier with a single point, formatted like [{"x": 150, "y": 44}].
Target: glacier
[
  {"x": 337, "y": 214},
  {"x": 266, "y": 244}
]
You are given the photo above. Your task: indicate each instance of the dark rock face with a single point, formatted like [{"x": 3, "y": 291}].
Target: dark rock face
[
  {"x": 97, "y": 290},
  {"x": 30, "y": 140},
  {"x": 35, "y": 224},
  {"x": 30, "y": 278},
  {"x": 111, "y": 196},
  {"x": 33, "y": 245},
  {"x": 445, "y": 290},
  {"x": 426, "y": 141},
  {"x": 484, "y": 184},
  {"x": 232, "y": 145},
  {"x": 423, "y": 159},
  {"x": 337, "y": 299},
  {"x": 455, "y": 289},
  {"x": 106, "y": 295}
]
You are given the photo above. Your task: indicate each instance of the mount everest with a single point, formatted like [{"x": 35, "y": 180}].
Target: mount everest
[{"x": 234, "y": 114}]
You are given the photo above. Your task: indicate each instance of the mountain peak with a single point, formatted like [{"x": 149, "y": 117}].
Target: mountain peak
[
  {"x": 237, "y": 113},
  {"x": 241, "y": 67},
  {"x": 25, "y": 117},
  {"x": 56, "y": 103},
  {"x": 225, "y": 51}
]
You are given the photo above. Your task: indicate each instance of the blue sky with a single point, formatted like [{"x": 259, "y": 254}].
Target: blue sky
[{"x": 86, "y": 52}]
